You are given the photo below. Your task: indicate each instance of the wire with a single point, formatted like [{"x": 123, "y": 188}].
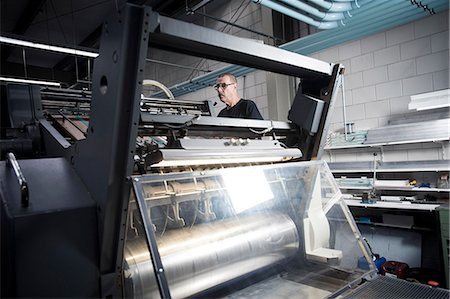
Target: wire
[
  {"x": 78, "y": 10},
  {"x": 267, "y": 130},
  {"x": 59, "y": 22},
  {"x": 425, "y": 7},
  {"x": 186, "y": 124}
]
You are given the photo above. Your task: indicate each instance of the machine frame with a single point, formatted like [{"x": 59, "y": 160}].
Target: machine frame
[{"x": 115, "y": 114}]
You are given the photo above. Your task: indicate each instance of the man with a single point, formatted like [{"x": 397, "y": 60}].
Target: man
[{"x": 226, "y": 86}]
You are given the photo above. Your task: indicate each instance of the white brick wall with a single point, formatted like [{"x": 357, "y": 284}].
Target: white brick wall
[
  {"x": 399, "y": 35},
  {"x": 382, "y": 71},
  {"x": 385, "y": 69},
  {"x": 387, "y": 55},
  {"x": 402, "y": 69}
]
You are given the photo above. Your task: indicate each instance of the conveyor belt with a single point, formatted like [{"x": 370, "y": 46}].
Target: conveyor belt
[{"x": 387, "y": 287}]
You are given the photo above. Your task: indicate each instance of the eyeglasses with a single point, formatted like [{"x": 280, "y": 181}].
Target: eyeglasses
[{"x": 223, "y": 85}]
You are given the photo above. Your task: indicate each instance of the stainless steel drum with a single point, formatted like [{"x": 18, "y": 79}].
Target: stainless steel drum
[{"x": 207, "y": 255}]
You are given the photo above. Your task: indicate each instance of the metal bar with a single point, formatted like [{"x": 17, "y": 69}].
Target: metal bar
[
  {"x": 117, "y": 86},
  {"x": 191, "y": 39},
  {"x": 202, "y": 3},
  {"x": 176, "y": 65},
  {"x": 158, "y": 267},
  {"x": 72, "y": 123},
  {"x": 24, "y": 194}
]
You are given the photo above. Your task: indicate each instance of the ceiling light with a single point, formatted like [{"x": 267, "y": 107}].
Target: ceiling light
[
  {"x": 17, "y": 42},
  {"x": 29, "y": 81}
]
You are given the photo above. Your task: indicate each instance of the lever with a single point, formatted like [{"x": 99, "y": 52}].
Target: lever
[{"x": 24, "y": 195}]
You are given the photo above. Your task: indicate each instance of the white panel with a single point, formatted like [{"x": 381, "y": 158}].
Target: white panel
[
  {"x": 445, "y": 155},
  {"x": 345, "y": 157},
  {"x": 430, "y": 100},
  {"x": 394, "y": 156},
  {"x": 423, "y": 154},
  {"x": 366, "y": 156}
]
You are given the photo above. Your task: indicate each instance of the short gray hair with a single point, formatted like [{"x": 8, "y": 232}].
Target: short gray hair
[{"x": 229, "y": 75}]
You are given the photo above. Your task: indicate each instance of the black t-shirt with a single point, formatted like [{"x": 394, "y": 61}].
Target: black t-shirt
[{"x": 243, "y": 109}]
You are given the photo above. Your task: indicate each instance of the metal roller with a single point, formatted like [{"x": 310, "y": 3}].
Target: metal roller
[{"x": 207, "y": 255}]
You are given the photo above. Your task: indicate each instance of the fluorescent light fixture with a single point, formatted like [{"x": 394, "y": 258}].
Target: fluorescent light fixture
[
  {"x": 246, "y": 187},
  {"x": 182, "y": 157},
  {"x": 430, "y": 100},
  {"x": 17, "y": 42},
  {"x": 16, "y": 80}
]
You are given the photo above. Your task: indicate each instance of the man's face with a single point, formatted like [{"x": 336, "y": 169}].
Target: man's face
[{"x": 225, "y": 89}]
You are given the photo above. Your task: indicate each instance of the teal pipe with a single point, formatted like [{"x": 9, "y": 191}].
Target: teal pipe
[
  {"x": 334, "y": 6},
  {"x": 355, "y": 30},
  {"x": 293, "y": 14},
  {"x": 324, "y": 16}
]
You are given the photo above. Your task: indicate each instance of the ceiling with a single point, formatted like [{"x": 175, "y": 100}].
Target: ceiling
[
  {"x": 77, "y": 24},
  {"x": 67, "y": 23}
]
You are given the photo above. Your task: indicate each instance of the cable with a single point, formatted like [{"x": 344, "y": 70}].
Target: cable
[
  {"x": 425, "y": 7},
  {"x": 267, "y": 130},
  {"x": 186, "y": 124}
]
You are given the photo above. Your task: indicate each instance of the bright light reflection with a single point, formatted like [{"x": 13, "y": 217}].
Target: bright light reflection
[{"x": 247, "y": 187}]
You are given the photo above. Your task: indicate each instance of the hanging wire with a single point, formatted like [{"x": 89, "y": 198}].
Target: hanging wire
[
  {"x": 74, "y": 40},
  {"x": 78, "y": 10},
  {"x": 59, "y": 22},
  {"x": 425, "y": 7},
  {"x": 201, "y": 63},
  {"x": 48, "y": 34}
]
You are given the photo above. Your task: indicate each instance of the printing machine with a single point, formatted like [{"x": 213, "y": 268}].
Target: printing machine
[{"x": 128, "y": 196}]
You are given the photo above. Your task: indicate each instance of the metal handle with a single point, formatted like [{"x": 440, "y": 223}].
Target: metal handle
[{"x": 12, "y": 162}]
